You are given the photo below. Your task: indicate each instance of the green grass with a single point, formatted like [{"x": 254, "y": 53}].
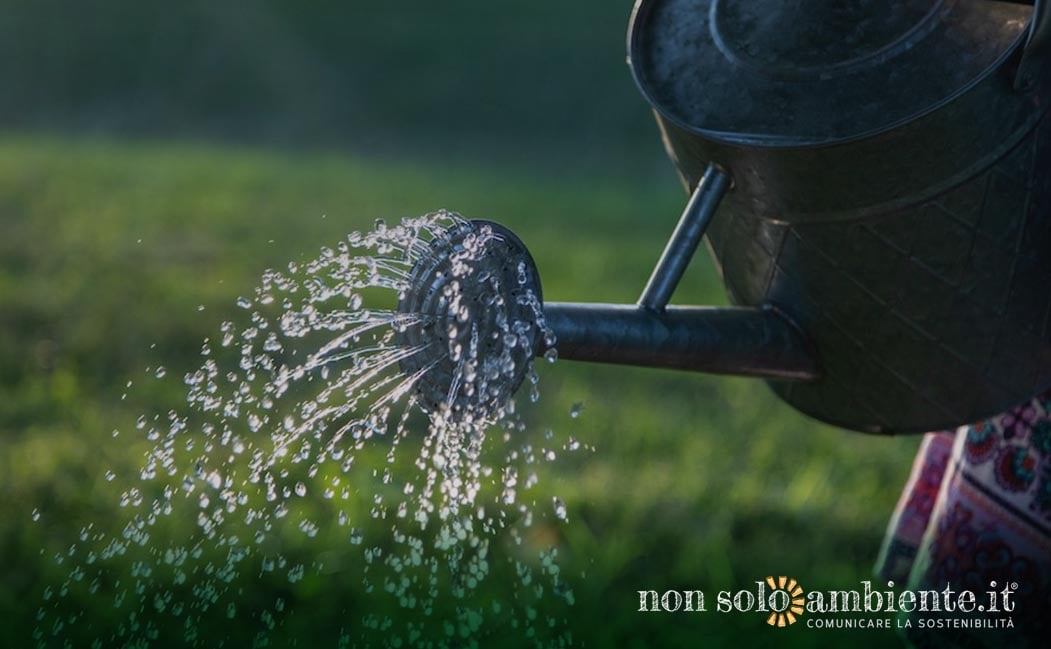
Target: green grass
[{"x": 107, "y": 250}]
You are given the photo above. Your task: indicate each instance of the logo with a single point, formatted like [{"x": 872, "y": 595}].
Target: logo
[
  {"x": 786, "y": 601},
  {"x": 781, "y": 602}
]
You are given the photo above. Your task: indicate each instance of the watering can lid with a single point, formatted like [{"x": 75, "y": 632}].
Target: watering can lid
[{"x": 807, "y": 72}]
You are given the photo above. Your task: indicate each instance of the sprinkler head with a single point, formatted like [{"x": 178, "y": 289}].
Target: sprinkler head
[{"x": 474, "y": 311}]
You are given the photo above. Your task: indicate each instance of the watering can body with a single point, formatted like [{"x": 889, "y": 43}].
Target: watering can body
[{"x": 889, "y": 190}]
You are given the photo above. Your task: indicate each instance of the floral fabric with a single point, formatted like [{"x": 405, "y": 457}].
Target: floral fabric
[{"x": 977, "y": 510}]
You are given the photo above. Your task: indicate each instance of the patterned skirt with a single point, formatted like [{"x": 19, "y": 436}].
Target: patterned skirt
[{"x": 977, "y": 511}]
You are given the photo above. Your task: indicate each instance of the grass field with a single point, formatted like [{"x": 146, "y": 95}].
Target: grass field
[{"x": 108, "y": 249}]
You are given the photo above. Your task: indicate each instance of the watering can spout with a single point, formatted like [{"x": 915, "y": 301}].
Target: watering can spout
[
  {"x": 503, "y": 285},
  {"x": 754, "y": 341},
  {"x": 757, "y": 342}
]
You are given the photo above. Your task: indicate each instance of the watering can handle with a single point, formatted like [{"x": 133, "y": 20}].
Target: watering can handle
[{"x": 1036, "y": 46}]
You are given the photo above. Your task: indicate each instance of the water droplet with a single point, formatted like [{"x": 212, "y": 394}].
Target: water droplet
[
  {"x": 307, "y": 385},
  {"x": 560, "y": 508},
  {"x": 576, "y": 409}
]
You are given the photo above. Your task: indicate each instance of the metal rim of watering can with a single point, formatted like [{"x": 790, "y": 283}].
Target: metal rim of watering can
[
  {"x": 1025, "y": 42},
  {"x": 1037, "y": 43}
]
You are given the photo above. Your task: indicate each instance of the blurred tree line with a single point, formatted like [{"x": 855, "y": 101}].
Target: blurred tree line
[{"x": 463, "y": 78}]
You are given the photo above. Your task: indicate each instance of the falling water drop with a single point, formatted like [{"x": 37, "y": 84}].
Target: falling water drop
[
  {"x": 312, "y": 387},
  {"x": 560, "y": 508},
  {"x": 576, "y": 409}
]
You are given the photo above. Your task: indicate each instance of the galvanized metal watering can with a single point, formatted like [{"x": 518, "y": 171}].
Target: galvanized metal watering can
[{"x": 873, "y": 179}]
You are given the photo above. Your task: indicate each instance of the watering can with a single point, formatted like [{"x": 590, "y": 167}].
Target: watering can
[{"x": 873, "y": 180}]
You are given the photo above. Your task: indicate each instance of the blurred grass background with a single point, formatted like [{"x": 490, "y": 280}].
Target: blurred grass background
[{"x": 156, "y": 157}]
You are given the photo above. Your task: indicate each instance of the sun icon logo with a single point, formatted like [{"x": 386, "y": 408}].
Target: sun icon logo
[{"x": 786, "y": 601}]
